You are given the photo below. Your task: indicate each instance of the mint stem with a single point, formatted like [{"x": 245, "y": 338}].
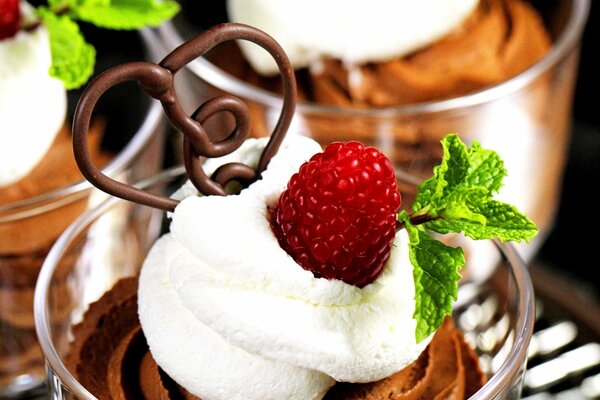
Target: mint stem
[
  {"x": 62, "y": 10},
  {"x": 33, "y": 25},
  {"x": 416, "y": 220}
]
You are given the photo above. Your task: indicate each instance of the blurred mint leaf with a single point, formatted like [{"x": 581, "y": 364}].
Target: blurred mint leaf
[
  {"x": 435, "y": 273},
  {"x": 125, "y": 14},
  {"x": 72, "y": 57}
]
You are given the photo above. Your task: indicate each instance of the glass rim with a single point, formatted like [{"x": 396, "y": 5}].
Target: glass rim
[
  {"x": 215, "y": 76},
  {"x": 64, "y": 195},
  {"x": 498, "y": 382},
  {"x": 516, "y": 357}
]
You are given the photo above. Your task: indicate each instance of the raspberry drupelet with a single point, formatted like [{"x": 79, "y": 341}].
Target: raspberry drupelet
[
  {"x": 9, "y": 18},
  {"x": 337, "y": 217}
]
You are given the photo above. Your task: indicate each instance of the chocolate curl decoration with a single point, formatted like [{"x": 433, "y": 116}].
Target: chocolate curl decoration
[{"x": 157, "y": 80}]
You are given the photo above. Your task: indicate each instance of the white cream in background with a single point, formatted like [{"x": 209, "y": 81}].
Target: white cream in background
[
  {"x": 228, "y": 314},
  {"x": 32, "y": 104},
  {"x": 354, "y": 31}
]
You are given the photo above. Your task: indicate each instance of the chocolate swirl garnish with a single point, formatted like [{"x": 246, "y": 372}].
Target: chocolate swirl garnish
[{"x": 157, "y": 80}]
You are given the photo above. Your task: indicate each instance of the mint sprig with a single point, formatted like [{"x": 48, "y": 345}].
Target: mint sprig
[
  {"x": 73, "y": 58},
  {"x": 457, "y": 198}
]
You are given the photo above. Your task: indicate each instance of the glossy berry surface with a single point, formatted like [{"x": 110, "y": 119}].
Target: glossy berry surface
[
  {"x": 9, "y": 18},
  {"x": 337, "y": 217}
]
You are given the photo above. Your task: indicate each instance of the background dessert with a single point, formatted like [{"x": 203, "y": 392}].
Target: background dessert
[
  {"x": 492, "y": 104},
  {"x": 41, "y": 188},
  {"x": 447, "y": 53}
]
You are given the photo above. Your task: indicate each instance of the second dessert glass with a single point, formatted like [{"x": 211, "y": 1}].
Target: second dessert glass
[
  {"x": 30, "y": 226},
  {"x": 526, "y": 118},
  {"x": 495, "y": 309}
]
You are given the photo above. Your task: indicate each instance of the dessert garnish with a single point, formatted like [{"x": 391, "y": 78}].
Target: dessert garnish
[
  {"x": 72, "y": 57},
  {"x": 413, "y": 52},
  {"x": 338, "y": 216},
  {"x": 457, "y": 198},
  {"x": 342, "y": 322},
  {"x": 157, "y": 80}
]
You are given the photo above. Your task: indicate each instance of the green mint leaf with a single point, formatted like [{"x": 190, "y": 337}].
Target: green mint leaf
[
  {"x": 72, "y": 57},
  {"x": 435, "y": 273},
  {"x": 450, "y": 173},
  {"x": 502, "y": 221},
  {"x": 487, "y": 168},
  {"x": 403, "y": 216},
  {"x": 460, "y": 167},
  {"x": 105, "y": 3},
  {"x": 458, "y": 197},
  {"x": 462, "y": 203},
  {"x": 55, "y": 5},
  {"x": 125, "y": 14}
]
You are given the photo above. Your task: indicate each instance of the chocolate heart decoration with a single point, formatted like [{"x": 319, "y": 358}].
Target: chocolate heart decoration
[{"x": 157, "y": 80}]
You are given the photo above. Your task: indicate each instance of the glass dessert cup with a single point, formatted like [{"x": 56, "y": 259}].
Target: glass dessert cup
[
  {"x": 526, "y": 118},
  {"x": 30, "y": 226},
  {"x": 495, "y": 309}
]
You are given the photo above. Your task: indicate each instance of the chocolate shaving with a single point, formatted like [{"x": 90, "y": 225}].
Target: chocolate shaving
[{"x": 157, "y": 80}]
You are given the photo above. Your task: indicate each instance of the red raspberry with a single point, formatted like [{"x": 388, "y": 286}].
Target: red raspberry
[
  {"x": 10, "y": 18},
  {"x": 337, "y": 217}
]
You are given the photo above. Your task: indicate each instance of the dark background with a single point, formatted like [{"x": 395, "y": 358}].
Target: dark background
[{"x": 571, "y": 250}]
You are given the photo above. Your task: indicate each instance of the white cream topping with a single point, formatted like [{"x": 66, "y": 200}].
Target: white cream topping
[
  {"x": 355, "y": 31},
  {"x": 198, "y": 358},
  {"x": 229, "y": 314},
  {"x": 32, "y": 104}
]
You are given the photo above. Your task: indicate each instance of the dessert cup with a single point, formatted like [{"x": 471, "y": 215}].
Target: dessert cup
[
  {"x": 527, "y": 118},
  {"x": 29, "y": 227},
  {"x": 495, "y": 309}
]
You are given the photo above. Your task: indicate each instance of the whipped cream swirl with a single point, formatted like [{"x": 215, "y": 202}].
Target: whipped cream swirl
[
  {"x": 228, "y": 314},
  {"x": 32, "y": 104},
  {"x": 354, "y": 31}
]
